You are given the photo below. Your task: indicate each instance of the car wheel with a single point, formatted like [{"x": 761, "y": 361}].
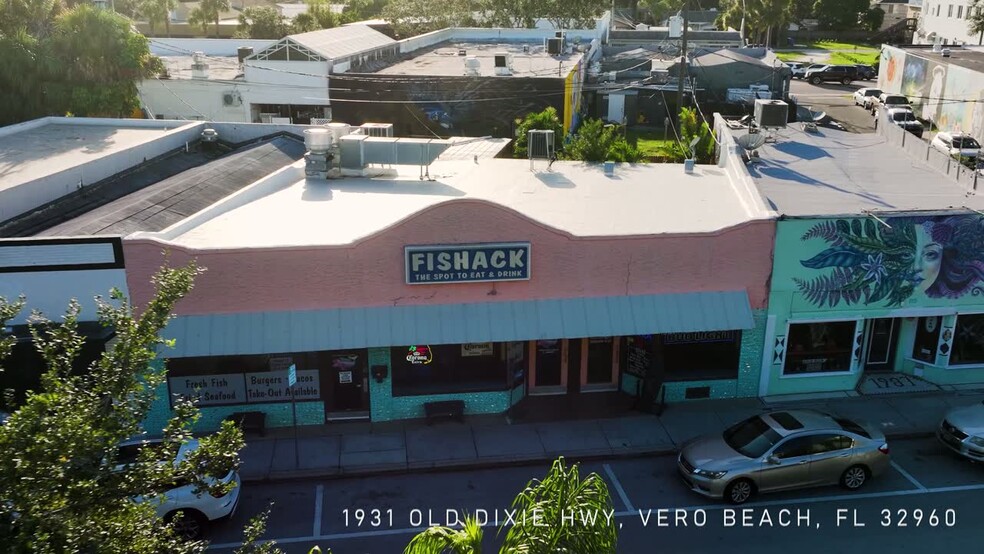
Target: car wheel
[
  {"x": 854, "y": 477},
  {"x": 739, "y": 491},
  {"x": 816, "y": 80},
  {"x": 187, "y": 523},
  {"x": 846, "y": 81}
]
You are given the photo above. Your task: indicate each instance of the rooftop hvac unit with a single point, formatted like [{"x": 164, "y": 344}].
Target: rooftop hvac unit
[
  {"x": 503, "y": 63},
  {"x": 771, "y": 114},
  {"x": 660, "y": 76},
  {"x": 320, "y": 121},
  {"x": 473, "y": 66},
  {"x": 560, "y": 35},
  {"x": 555, "y": 45},
  {"x": 377, "y": 129},
  {"x": 676, "y": 27}
]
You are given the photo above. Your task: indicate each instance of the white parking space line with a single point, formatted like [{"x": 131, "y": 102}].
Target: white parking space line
[
  {"x": 618, "y": 488},
  {"x": 908, "y": 476},
  {"x": 319, "y": 500},
  {"x": 335, "y": 537}
]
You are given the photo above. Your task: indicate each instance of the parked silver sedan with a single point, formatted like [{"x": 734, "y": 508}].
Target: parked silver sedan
[
  {"x": 783, "y": 450},
  {"x": 962, "y": 431}
]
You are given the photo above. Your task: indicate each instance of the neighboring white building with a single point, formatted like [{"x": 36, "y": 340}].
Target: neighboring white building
[
  {"x": 277, "y": 82},
  {"x": 948, "y": 21}
]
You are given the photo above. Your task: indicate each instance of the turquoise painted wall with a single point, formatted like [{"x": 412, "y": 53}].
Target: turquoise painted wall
[
  {"x": 386, "y": 407},
  {"x": 749, "y": 369},
  {"x": 856, "y": 268}
]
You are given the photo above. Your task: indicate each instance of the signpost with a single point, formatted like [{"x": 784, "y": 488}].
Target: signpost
[{"x": 291, "y": 381}]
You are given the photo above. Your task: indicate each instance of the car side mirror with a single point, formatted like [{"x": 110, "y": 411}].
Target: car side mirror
[{"x": 773, "y": 460}]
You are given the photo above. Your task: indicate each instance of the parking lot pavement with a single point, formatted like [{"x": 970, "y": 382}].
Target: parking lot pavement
[
  {"x": 837, "y": 101},
  {"x": 394, "y": 507}
]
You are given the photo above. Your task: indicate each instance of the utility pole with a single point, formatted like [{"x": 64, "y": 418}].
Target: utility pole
[{"x": 683, "y": 63}]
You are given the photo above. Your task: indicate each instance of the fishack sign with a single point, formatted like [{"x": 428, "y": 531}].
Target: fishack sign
[{"x": 466, "y": 263}]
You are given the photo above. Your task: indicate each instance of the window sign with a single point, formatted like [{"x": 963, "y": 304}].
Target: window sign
[
  {"x": 209, "y": 390},
  {"x": 420, "y": 354},
  {"x": 271, "y": 386},
  {"x": 476, "y": 349},
  {"x": 463, "y": 263},
  {"x": 344, "y": 377}
]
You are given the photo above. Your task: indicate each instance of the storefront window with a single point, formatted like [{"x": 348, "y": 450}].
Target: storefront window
[
  {"x": 819, "y": 347},
  {"x": 701, "y": 355},
  {"x": 927, "y": 338},
  {"x": 452, "y": 368},
  {"x": 548, "y": 361},
  {"x": 968, "y": 342}
]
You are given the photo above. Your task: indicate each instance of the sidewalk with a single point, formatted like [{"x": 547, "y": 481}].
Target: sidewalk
[{"x": 356, "y": 449}]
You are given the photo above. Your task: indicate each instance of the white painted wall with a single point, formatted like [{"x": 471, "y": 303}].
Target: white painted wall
[
  {"x": 50, "y": 291},
  {"x": 946, "y": 25},
  {"x": 210, "y": 46},
  {"x": 192, "y": 99}
]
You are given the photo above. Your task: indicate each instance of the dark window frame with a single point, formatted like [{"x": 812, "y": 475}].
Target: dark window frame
[
  {"x": 957, "y": 334},
  {"x": 843, "y": 352},
  {"x": 406, "y": 378}
]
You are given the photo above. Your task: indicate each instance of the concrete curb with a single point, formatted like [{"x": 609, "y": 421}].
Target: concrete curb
[{"x": 471, "y": 465}]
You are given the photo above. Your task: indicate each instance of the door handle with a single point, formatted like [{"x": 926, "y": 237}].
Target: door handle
[{"x": 801, "y": 462}]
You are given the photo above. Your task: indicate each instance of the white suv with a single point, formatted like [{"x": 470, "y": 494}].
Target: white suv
[
  {"x": 956, "y": 145},
  {"x": 196, "y": 509}
]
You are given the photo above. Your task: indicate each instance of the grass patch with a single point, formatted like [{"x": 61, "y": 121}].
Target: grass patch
[
  {"x": 844, "y": 58},
  {"x": 843, "y": 46},
  {"x": 652, "y": 145},
  {"x": 793, "y": 56}
]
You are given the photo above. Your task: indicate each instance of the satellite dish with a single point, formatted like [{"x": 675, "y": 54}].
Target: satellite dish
[{"x": 750, "y": 141}]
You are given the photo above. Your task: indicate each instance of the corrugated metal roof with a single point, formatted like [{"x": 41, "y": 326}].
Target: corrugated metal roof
[
  {"x": 381, "y": 326},
  {"x": 344, "y": 41}
]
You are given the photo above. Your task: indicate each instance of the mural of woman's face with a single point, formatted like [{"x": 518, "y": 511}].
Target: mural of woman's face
[{"x": 929, "y": 257}]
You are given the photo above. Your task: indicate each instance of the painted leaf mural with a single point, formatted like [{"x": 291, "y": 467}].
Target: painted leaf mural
[{"x": 871, "y": 263}]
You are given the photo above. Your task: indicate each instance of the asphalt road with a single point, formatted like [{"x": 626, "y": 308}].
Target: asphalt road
[
  {"x": 893, "y": 513},
  {"x": 836, "y": 100}
]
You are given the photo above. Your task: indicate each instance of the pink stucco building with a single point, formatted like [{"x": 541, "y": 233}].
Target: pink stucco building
[{"x": 489, "y": 283}]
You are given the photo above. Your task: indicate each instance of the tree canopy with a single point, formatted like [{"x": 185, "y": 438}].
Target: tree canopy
[
  {"x": 61, "y": 487},
  {"x": 84, "y": 61}
]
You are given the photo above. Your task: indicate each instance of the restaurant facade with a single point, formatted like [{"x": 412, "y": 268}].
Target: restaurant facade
[{"x": 896, "y": 302}]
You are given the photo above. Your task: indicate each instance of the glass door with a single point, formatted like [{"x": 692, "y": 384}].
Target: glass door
[
  {"x": 882, "y": 337},
  {"x": 547, "y": 375},
  {"x": 601, "y": 373}
]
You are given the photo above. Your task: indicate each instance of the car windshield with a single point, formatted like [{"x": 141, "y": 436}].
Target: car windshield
[
  {"x": 896, "y": 100},
  {"x": 965, "y": 142},
  {"x": 752, "y": 437},
  {"x": 903, "y": 116},
  {"x": 872, "y": 92}
]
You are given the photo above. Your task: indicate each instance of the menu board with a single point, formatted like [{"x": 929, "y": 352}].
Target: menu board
[{"x": 637, "y": 362}]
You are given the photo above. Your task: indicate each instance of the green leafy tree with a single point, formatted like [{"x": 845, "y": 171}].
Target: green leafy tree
[
  {"x": 262, "y": 22},
  {"x": 545, "y": 120},
  {"x": 510, "y": 13},
  {"x": 840, "y": 15},
  {"x": 99, "y": 58},
  {"x": 36, "y": 17},
  {"x": 213, "y": 10},
  {"x": 976, "y": 20},
  {"x": 199, "y": 18},
  {"x": 662, "y": 9},
  {"x": 61, "y": 486},
  {"x": 23, "y": 67},
  {"x": 157, "y": 12},
  {"x": 413, "y": 17},
  {"x": 763, "y": 18},
  {"x": 322, "y": 15},
  {"x": 361, "y": 10},
  {"x": 560, "y": 494},
  {"x": 691, "y": 127},
  {"x": 872, "y": 18},
  {"x": 573, "y": 14},
  {"x": 597, "y": 142}
]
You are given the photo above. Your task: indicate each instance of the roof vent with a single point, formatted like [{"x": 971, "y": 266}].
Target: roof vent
[
  {"x": 462, "y": 52},
  {"x": 555, "y": 45},
  {"x": 210, "y": 135},
  {"x": 771, "y": 114}
]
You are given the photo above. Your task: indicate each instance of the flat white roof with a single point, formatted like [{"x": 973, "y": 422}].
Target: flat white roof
[
  {"x": 39, "y": 149},
  {"x": 444, "y": 59},
  {"x": 578, "y": 198}
]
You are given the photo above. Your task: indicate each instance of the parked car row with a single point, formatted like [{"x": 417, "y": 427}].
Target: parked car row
[
  {"x": 898, "y": 110},
  {"x": 822, "y": 73},
  {"x": 783, "y": 450}
]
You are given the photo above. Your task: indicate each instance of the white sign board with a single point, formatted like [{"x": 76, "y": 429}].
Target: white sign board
[
  {"x": 211, "y": 389},
  {"x": 291, "y": 375},
  {"x": 271, "y": 386}
]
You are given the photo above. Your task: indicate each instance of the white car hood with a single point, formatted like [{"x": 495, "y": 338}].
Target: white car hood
[{"x": 969, "y": 419}]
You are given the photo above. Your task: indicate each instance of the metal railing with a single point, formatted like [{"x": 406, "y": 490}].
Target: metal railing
[{"x": 920, "y": 149}]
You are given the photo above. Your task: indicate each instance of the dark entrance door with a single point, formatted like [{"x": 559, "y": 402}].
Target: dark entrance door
[
  {"x": 574, "y": 348},
  {"x": 349, "y": 386},
  {"x": 882, "y": 337}
]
